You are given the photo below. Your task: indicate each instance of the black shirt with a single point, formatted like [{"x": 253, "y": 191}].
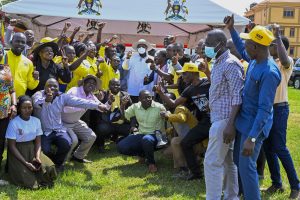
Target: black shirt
[
  {"x": 52, "y": 71},
  {"x": 198, "y": 99}
]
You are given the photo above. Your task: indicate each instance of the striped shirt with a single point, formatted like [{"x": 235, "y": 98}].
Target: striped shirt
[{"x": 227, "y": 82}]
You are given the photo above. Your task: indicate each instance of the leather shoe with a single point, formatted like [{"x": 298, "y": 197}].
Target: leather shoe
[{"x": 273, "y": 189}]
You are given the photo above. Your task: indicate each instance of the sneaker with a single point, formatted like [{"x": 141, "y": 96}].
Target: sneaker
[
  {"x": 273, "y": 189},
  {"x": 152, "y": 168},
  {"x": 161, "y": 139},
  {"x": 295, "y": 194},
  {"x": 80, "y": 160}
]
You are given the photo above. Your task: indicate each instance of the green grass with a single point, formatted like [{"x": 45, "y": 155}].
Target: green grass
[{"x": 112, "y": 176}]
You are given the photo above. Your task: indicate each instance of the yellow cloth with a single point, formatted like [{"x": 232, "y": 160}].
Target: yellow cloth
[
  {"x": 116, "y": 104},
  {"x": 245, "y": 65},
  {"x": 101, "y": 51},
  {"x": 183, "y": 115},
  {"x": 108, "y": 74},
  {"x": 21, "y": 69}
]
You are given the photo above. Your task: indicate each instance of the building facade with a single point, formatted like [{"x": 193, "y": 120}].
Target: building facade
[{"x": 286, "y": 13}]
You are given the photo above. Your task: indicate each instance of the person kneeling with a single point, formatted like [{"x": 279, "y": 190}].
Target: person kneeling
[
  {"x": 27, "y": 166},
  {"x": 144, "y": 140}
]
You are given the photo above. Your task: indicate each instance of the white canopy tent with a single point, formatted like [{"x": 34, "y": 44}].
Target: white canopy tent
[{"x": 186, "y": 19}]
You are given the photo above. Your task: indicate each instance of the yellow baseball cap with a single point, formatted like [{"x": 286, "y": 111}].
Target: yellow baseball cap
[
  {"x": 260, "y": 35},
  {"x": 189, "y": 67}
]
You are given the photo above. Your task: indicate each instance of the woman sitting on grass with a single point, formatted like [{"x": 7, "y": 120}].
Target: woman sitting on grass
[{"x": 27, "y": 166}]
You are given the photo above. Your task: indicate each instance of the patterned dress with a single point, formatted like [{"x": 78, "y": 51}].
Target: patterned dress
[{"x": 6, "y": 87}]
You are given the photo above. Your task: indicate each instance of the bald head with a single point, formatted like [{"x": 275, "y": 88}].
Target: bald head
[
  {"x": 218, "y": 35},
  {"x": 217, "y": 40},
  {"x": 52, "y": 84},
  {"x": 18, "y": 43}
]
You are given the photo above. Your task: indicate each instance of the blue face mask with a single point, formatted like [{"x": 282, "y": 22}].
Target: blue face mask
[{"x": 210, "y": 51}]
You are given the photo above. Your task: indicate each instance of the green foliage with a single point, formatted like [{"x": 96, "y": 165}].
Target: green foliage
[{"x": 112, "y": 176}]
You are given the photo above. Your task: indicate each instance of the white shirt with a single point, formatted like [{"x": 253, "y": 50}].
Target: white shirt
[
  {"x": 24, "y": 131},
  {"x": 138, "y": 69}
]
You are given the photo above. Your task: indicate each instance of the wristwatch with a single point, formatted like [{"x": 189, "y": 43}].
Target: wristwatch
[{"x": 252, "y": 139}]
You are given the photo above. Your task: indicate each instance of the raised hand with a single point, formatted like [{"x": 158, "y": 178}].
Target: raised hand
[
  {"x": 229, "y": 22},
  {"x": 202, "y": 65},
  {"x": 276, "y": 30},
  {"x": 77, "y": 29},
  {"x": 111, "y": 98},
  {"x": 129, "y": 54},
  {"x": 49, "y": 95},
  {"x": 124, "y": 101},
  {"x": 101, "y": 25},
  {"x": 35, "y": 74}
]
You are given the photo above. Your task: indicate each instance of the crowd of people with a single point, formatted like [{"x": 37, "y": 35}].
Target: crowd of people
[{"x": 219, "y": 113}]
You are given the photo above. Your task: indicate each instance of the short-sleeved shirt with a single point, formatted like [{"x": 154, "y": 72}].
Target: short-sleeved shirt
[
  {"x": 149, "y": 120},
  {"x": 282, "y": 92},
  {"x": 6, "y": 87},
  {"x": 24, "y": 131},
  {"x": 198, "y": 99}
]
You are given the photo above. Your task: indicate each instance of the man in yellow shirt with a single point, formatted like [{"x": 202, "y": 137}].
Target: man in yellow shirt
[
  {"x": 110, "y": 71},
  {"x": 22, "y": 70}
]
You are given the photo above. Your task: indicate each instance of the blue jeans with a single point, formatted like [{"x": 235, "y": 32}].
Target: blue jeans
[
  {"x": 275, "y": 147},
  {"x": 142, "y": 145},
  {"x": 61, "y": 141},
  {"x": 247, "y": 166}
]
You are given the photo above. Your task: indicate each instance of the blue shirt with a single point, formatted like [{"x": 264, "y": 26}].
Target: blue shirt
[{"x": 262, "y": 79}]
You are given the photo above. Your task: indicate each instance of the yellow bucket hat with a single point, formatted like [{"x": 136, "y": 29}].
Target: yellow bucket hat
[{"x": 260, "y": 35}]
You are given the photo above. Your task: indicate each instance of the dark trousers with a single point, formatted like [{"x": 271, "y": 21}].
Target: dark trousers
[
  {"x": 105, "y": 130},
  {"x": 142, "y": 145},
  {"x": 61, "y": 141},
  {"x": 261, "y": 162},
  {"x": 3, "y": 126},
  {"x": 193, "y": 137},
  {"x": 275, "y": 147}
]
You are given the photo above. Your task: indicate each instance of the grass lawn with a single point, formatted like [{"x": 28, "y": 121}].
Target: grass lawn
[{"x": 112, "y": 176}]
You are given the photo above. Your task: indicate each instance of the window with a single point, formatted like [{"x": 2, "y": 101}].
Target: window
[
  {"x": 281, "y": 31},
  {"x": 288, "y": 12},
  {"x": 292, "y": 51},
  {"x": 292, "y": 32}
]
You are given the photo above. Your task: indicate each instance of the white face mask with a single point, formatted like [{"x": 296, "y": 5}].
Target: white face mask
[{"x": 141, "y": 50}]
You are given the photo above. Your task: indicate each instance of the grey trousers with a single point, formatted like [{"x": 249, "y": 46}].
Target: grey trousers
[{"x": 80, "y": 131}]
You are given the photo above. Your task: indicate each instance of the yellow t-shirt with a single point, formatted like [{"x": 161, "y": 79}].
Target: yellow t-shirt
[
  {"x": 92, "y": 65},
  {"x": 108, "y": 74},
  {"x": 21, "y": 69}
]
